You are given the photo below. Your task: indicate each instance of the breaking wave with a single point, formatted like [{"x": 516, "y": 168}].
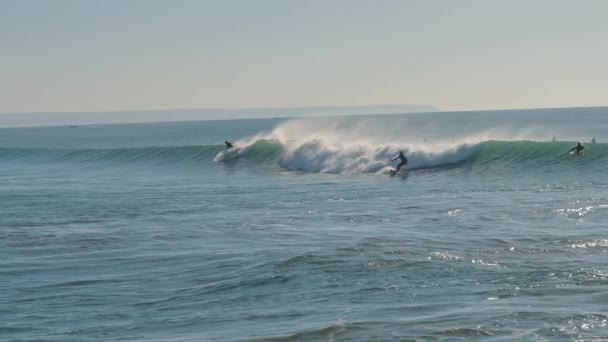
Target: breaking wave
[{"x": 321, "y": 156}]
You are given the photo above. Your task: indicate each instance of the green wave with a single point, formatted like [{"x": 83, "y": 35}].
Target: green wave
[{"x": 513, "y": 154}]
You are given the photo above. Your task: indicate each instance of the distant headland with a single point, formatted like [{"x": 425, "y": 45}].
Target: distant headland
[{"x": 173, "y": 115}]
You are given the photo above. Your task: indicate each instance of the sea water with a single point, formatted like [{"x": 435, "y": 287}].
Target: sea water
[{"x": 157, "y": 232}]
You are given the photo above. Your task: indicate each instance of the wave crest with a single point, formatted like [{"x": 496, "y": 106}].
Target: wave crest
[{"x": 327, "y": 156}]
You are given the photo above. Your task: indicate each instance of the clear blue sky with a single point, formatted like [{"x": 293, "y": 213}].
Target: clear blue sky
[{"x": 78, "y": 55}]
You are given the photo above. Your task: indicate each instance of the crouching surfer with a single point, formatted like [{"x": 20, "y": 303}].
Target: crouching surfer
[
  {"x": 229, "y": 145},
  {"x": 578, "y": 149},
  {"x": 403, "y": 162}
]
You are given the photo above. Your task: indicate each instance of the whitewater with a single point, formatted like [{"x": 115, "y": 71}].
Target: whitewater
[{"x": 156, "y": 231}]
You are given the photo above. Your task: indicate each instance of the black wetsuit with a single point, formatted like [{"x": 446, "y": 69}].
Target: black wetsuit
[
  {"x": 578, "y": 149},
  {"x": 403, "y": 161}
]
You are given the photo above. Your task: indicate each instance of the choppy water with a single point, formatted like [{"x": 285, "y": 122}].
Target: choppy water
[{"x": 156, "y": 232}]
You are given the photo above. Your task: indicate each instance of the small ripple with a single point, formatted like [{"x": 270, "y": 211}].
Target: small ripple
[
  {"x": 466, "y": 332},
  {"x": 585, "y": 277},
  {"x": 446, "y": 256},
  {"x": 599, "y": 243},
  {"x": 580, "y": 327},
  {"x": 308, "y": 259},
  {"x": 12, "y": 330},
  {"x": 322, "y": 333},
  {"x": 580, "y": 212},
  {"x": 79, "y": 283}
]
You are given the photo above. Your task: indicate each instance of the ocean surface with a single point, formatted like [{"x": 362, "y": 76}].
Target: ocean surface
[{"x": 156, "y": 232}]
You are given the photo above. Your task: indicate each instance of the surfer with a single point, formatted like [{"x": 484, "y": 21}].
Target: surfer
[
  {"x": 229, "y": 145},
  {"x": 403, "y": 161},
  {"x": 578, "y": 149}
]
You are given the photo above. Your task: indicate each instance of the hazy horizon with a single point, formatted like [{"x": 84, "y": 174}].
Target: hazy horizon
[
  {"x": 42, "y": 119},
  {"x": 26, "y": 119},
  {"x": 388, "y": 105},
  {"x": 99, "y": 56}
]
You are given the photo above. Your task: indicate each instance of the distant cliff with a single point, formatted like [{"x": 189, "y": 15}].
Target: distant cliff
[{"x": 85, "y": 118}]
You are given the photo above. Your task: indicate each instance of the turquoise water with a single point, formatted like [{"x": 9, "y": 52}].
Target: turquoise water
[{"x": 156, "y": 232}]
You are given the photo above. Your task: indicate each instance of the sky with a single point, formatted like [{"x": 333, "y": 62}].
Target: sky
[{"x": 104, "y": 55}]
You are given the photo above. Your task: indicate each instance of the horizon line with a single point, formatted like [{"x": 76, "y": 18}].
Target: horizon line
[
  {"x": 221, "y": 109},
  {"x": 142, "y": 120},
  {"x": 434, "y": 107}
]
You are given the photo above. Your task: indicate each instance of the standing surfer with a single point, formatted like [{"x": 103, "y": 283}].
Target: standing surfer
[{"x": 402, "y": 163}]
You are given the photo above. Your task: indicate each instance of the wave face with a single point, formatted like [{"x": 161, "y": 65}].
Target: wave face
[
  {"x": 321, "y": 156},
  {"x": 177, "y": 154}
]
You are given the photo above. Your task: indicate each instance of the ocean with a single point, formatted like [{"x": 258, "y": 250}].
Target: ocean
[{"x": 157, "y": 232}]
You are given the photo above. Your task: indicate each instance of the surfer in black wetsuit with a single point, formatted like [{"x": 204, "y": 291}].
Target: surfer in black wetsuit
[
  {"x": 578, "y": 149},
  {"x": 403, "y": 161},
  {"x": 229, "y": 145}
]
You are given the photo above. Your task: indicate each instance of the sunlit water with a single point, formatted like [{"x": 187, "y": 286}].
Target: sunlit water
[{"x": 155, "y": 232}]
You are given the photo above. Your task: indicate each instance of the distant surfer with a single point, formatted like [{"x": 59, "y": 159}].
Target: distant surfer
[
  {"x": 402, "y": 163},
  {"x": 578, "y": 149},
  {"x": 229, "y": 145}
]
